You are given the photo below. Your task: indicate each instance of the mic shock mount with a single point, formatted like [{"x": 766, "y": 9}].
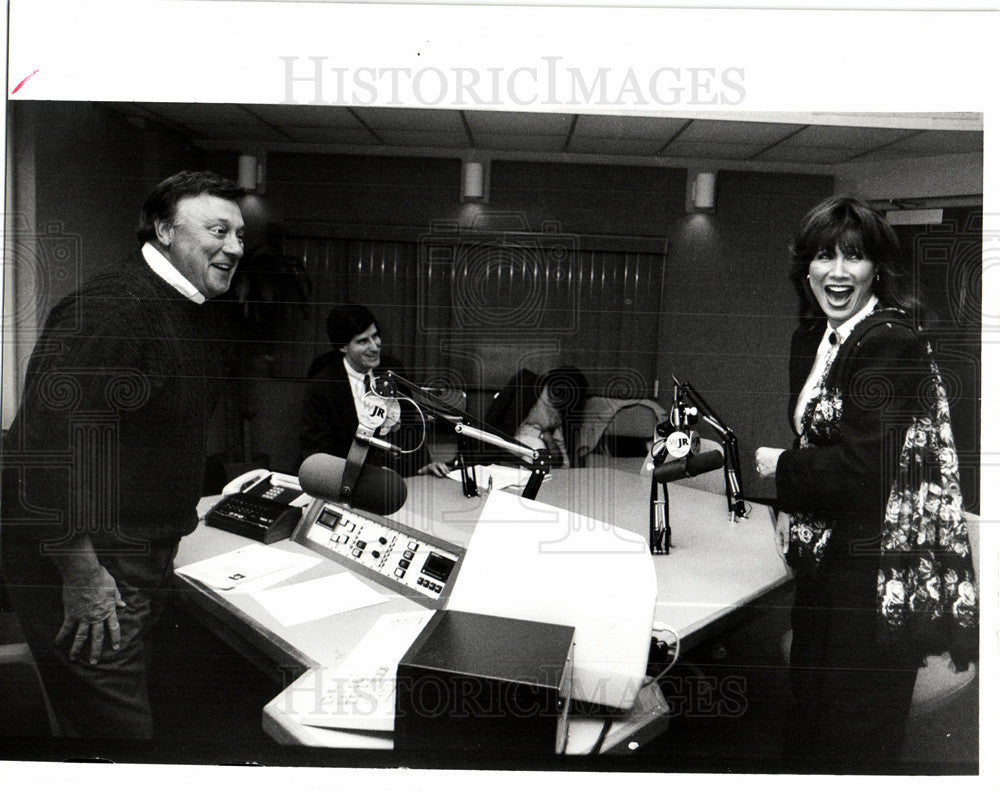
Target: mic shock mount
[{"x": 687, "y": 404}]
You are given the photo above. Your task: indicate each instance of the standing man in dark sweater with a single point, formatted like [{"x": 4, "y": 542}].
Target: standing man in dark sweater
[{"x": 104, "y": 462}]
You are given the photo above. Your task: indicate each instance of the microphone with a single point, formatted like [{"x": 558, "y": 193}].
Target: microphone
[
  {"x": 377, "y": 490},
  {"x": 687, "y": 467}
]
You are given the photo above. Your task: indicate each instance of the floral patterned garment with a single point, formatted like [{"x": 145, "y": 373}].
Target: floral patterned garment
[{"x": 926, "y": 585}]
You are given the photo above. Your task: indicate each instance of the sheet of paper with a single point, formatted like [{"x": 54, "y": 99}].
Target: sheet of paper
[
  {"x": 243, "y": 566},
  {"x": 303, "y": 501},
  {"x": 501, "y": 475},
  {"x": 360, "y": 692},
  {"x": 273, "y": 579},
  {"x": 388, "y": 639},
  {"x": 315, "y": 599}
]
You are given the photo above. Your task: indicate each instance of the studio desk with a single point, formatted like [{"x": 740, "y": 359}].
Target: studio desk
[{"x": 718, "y": 575}]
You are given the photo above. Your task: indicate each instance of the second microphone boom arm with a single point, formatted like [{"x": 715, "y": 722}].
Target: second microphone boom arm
[{"x": 539, "y": 460}]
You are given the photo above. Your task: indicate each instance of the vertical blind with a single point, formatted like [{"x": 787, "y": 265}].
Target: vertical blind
[{"x": 468, "y": 310}]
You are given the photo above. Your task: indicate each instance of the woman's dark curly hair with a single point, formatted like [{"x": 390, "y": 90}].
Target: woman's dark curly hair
[{"x": 854, "y": 226}]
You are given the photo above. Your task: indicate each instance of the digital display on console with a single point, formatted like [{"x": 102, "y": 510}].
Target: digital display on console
[
  {"x": 438, "y": 567},
  {"x": 329, "y": 518}
]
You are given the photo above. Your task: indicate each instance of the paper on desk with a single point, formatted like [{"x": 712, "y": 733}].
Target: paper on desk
[
  {"x": 314, "y": 599},
  {"x": 388, "y": 639},
  {"x": 502, "y": 476},
  {"x": 359, "y": 694},
  {"x": 247, "y": 568},
  {"x": 281, "y": 575}
]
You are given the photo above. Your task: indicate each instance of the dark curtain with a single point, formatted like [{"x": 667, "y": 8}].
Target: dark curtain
[{"x": 468, "y": 309}]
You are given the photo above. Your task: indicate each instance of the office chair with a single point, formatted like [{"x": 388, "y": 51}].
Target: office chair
[
  {"x": 617, "y": 432},
  {"x": 938, "y": 683}
]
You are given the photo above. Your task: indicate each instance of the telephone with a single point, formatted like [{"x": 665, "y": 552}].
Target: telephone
[{"x": 260, "y": 505}]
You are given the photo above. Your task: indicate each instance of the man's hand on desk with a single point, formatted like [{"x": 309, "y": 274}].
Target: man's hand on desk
[
  {"x": 439, "y": 469},
  {"x": 90, "y": 603}
]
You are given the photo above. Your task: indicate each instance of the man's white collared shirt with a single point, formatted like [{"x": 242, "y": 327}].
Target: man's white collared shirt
[
  {"x": 357, "y": 382},
  {"x": 161, "y": 265}
]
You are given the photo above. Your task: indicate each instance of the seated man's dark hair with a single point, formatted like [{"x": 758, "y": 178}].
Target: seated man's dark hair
[{"x": 346, "y": 321}]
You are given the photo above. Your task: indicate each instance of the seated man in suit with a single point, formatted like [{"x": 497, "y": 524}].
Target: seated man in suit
[{"x": 339, "y": 380}]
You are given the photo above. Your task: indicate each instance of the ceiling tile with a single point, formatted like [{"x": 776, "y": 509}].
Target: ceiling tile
[
  {"x": 238, "y": 132},
  {"x": 619, "y": 146},
  {"x": 940, "y": 142},
  {"x": 488, "y": 122},
  {"x": 710, "y": 150},
  {"x": 546, "y": 143},
  {"x": 191, "y": 113},
  {"x": 816, "y": 155},
  {"x": 747, "y": 132},
  {"x": 420, "y": 137},
  {"x": 408, "y": 118},
  {"x": 332, "y": 135},
  {"x": 846, "y": 137},
  {"x": 628, "y": 127},
  {"x": 305, "y": 115}
]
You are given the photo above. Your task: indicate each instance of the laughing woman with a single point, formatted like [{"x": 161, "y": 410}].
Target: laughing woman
[{"x": 871, "y": 513}]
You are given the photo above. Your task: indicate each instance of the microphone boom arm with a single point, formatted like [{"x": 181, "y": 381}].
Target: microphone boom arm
[
  {"x": 539, "y": 460},
  {"x": 738, "y": 507}
]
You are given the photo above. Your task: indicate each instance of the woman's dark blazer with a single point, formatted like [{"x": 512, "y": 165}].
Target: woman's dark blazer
[{"x": 846, "y": 477}]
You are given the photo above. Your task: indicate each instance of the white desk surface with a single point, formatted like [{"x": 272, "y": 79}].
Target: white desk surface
[{"x": 714, "y": 568}]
